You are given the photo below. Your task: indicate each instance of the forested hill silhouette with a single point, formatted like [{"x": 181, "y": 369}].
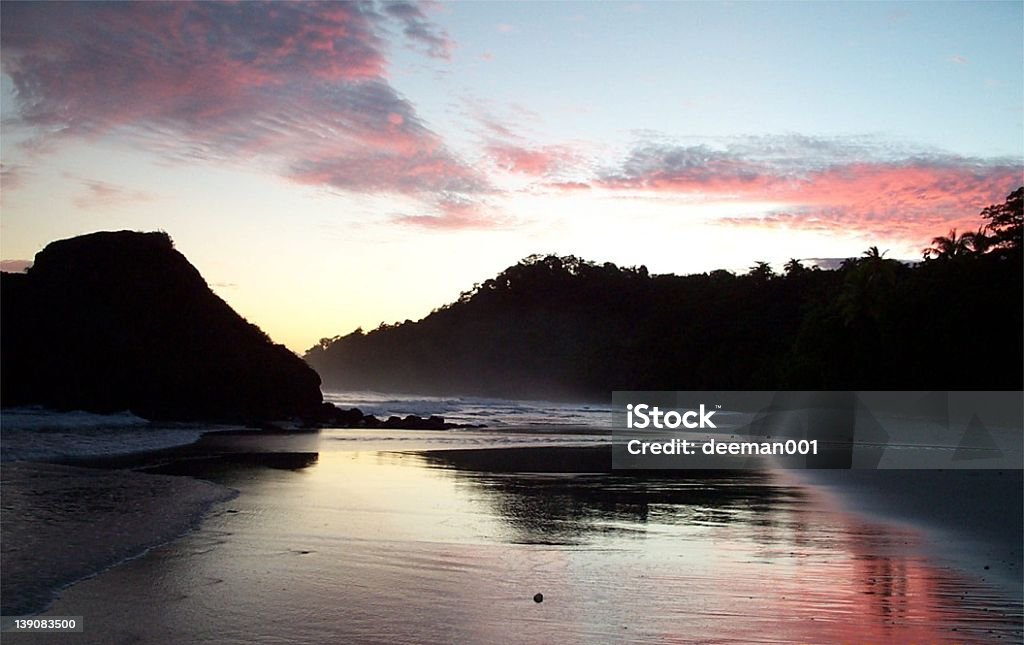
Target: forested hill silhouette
[
  {"x": 564, "y": 327},
  {"x": 121, "y": 321}
]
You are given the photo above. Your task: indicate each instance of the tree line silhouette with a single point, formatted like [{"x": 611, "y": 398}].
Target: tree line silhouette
[{"x": 560, "y": 327}]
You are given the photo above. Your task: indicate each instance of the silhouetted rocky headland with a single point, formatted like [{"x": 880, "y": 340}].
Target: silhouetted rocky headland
[{"x": 122, "y": 321}]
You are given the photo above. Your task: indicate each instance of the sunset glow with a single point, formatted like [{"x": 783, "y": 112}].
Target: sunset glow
[{"x": 333, "y": 165}]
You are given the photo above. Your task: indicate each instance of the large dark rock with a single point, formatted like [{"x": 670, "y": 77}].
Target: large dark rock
[{"x": 120, "y": 320}]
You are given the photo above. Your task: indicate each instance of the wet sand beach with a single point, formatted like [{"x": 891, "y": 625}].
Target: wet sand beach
[
  {"x": 62, "y": 524},
  {"x": 337, "y": 540},
  {"x": 973, "y": 519}
]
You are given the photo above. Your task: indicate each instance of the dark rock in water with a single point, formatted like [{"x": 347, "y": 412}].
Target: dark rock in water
[
  {"x": 538, "y": 597},
  {"x": 413, "y": 422},
  {"x": 329, "y": 416},
  {"x": 370, "y": 421},
  {"x": 121, "y": 321},
  {"x": 433, "y": 422}
]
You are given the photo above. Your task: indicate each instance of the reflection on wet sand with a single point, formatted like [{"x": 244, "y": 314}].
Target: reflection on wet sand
[
  {"x": 556, "y": 506},
  {"x": 375, "y": 547},
  {"x": 832, "y": 576}
]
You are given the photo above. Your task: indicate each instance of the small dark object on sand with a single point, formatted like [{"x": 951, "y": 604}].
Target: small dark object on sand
[{"x": 538, "y": 597}]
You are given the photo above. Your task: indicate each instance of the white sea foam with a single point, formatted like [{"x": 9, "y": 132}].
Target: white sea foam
[
  {"x": 477, "y": 410},
  {"x": 37, "y": 434},
  {"x": 63, "y": 524},
  {"x": 36, "y": 417}
]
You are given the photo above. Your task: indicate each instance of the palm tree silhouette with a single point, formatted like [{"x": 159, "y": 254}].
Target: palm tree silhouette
[
  {"x": 794, "y": 267},
  {"x": 978, "y": 243},
  {"x": 869, "y": 281},
  {"x": 948, "y": 247},
  {"x": 874, "y": 254},
  {"x": 761, "y": 271}
]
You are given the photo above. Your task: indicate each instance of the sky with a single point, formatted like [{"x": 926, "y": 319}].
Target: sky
[{"x": 328, "y": 166}]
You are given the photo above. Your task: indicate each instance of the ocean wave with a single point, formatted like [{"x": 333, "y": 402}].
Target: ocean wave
[
  {"x": 48, "y": 506},
  {"x": 492, "y": 411},
  {"x": 39, "y": 418},
  {"x": 37, "y": 434}
]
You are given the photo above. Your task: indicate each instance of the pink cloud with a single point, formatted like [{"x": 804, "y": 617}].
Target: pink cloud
[
  {"x": 300, "y": 85},
  {"x": 568, "y": 186},
  {"x": 455, "y": 215},
  {"x": 377, "y": 170},
  {"x": 100, "y": 194},
  {"x": 826, "y": 185},
  {"x": 89, "y": 67},
  {"x": 912, "y": 202},
  {"x": 12, "y": 177},
  {"x": 529, "y": 161},
  {"x": 495, "y": 127}
]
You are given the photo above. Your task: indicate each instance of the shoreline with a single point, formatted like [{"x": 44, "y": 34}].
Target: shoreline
[
  {"x": 971, "y": 520},
  {"x": 39, "y": 509},
  {"x": 64, "y": 524},
  {"x": 188, "y": 464}
]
